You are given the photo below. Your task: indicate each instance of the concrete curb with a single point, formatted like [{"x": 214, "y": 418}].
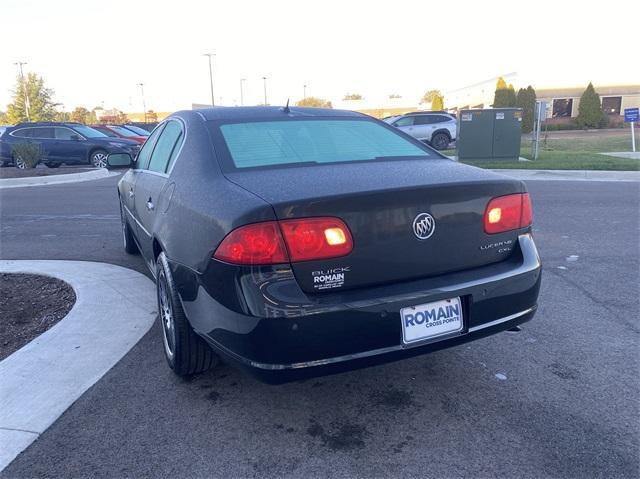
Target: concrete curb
[
  {"x": 570, "y": 175},
  {"x": 56, "y": 179},
  {"x": 114, "y": 308}
]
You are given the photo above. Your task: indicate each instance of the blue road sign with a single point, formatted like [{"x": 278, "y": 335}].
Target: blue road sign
[{"x": 631, "y": 114}]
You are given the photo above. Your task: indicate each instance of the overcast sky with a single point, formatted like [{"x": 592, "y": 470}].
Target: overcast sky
[{"x": 92, "y": 52}]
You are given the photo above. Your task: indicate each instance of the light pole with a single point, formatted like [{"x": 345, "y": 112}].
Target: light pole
[
  {"x": 209, "y": 55},
  {"x": 24, "y": 90},
  {"x": 304, "y": 94},
  {"x": 144, "y": 105},
  {"x": 242, "y": 80},
  {"x": 264, "y": 84}
]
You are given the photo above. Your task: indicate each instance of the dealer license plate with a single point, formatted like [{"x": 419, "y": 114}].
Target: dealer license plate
[{"x": 431, "y": 320}]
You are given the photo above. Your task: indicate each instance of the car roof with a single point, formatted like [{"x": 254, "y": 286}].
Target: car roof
[
  {"x": 438, "y": 112},
  {"x": 265, "y": 112},
  {"x": 48, "y": 123}
]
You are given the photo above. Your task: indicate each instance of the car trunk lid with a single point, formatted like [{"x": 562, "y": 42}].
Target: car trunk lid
[{"x": 385, "y": 205}]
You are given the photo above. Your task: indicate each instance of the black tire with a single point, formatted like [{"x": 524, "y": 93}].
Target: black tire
[
  {"x": 98, "y": 158},
  {"x": 185, "y": 351},
  {"x": 52, "y": 165},
  {"x": 128, "y": 241},
  {"x": 440, "y": 141}
]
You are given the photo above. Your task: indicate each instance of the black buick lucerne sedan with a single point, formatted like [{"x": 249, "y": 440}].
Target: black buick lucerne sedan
[{"x": 296, "y": 242}]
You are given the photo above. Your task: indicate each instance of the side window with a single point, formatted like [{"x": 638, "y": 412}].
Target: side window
[
  {"x": 42, "y": 132},
  {"x": 64, "y": 133},
  {"x": 168, "y": 142},
  {"x": 142, "y": 160},
  {"x": 175, "y": 151},
  {"x": 23, "y": 133},
  {"x": 426, "y": 120},
  {"x": 406, "y": 121}
]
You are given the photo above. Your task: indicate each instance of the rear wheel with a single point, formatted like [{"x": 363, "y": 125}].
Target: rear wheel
[
  {"x": 440, "y": 141},
  {"x": 186, "y": 352},
  {"x": 99, "y": 159}
]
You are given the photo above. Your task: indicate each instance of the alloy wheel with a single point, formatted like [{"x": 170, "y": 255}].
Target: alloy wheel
[
  {"x": 166, "y": 317},
  {"x": 99, "y": 160}
]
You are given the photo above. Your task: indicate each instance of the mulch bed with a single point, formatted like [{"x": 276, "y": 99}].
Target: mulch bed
[
  {"x": 40, "y": 170},
  {"x": 29, "y": 305}
]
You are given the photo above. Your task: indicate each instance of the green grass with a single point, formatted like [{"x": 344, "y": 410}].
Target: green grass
[{"x": 568, "y": 154}]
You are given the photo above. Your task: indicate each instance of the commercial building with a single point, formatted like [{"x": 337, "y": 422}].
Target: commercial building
[{"x": 563, "y": 103}]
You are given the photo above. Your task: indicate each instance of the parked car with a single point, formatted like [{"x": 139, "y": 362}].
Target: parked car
[
  {"x": 438, "y": 129},
  {"x": 116, "y": 131},
  {"x": 299, "y": 242},
  {"x": 140, "y": 126},
  {"x": 69, "y": 143}
]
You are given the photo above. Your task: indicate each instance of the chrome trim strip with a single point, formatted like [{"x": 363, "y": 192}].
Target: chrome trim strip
[
  {"x": 501, "y": 320},
  {"x": 365, "y": 354},
  {"x": 136, "y": 220}
]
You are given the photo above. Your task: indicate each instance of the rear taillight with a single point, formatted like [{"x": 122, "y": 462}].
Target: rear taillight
[
  {"x": 506, "y": 213},
  {"x": 259, "y": 243},
  {"x": 306, "y": 239},
  {"x": 316, "y": 238}
]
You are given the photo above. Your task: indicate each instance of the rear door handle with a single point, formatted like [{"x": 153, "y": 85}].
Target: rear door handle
[{"x": 150, "y": 206}]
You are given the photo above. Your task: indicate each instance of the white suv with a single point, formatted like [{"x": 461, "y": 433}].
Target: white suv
[{"x": 436, "y": 128}]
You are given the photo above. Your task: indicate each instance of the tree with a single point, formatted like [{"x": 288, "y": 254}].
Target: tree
[
  {"x": 4, "y": 119},
  {"x": 590, "y": 114},
  {"x": 41, "y": 106},
  {"x": 152, "y": 116},
  {"x": 505, "y": 96},
  {"x": 312, "y": 101},
  {"x": 81, "y": 115},
  {"x": 353, "y": 96},
  {"x": 526, "y": 100},
  {"x": 430, "y": 95},
  {"x": 437, "y": 103}
]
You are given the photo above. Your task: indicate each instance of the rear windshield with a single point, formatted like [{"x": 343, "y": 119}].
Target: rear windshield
[{"x": 288, "y": 142}]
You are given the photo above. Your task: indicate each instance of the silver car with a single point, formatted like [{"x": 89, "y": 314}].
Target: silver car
[{"x": 437, "y": 129}]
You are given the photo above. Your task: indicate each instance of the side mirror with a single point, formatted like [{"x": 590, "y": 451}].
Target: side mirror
[
  {"x": 76, "y": 137},
  {"x": 119, "y": 160}
]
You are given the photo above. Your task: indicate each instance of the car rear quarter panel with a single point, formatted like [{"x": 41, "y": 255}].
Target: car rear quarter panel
[{"x": 204, "y": 206}]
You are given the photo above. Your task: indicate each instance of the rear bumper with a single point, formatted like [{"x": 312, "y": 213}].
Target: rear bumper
[{"x": 261, "y": 320}]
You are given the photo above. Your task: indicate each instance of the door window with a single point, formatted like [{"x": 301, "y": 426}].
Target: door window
[
  {"x": 35, "y": 133},
  {"x": 142, "y": 160},
  {"x": 167, "y": 143},
  {"x": 406, "y": 121},
  {"x": 425, "y": 120},
  {"x": 65, "y": 133}
]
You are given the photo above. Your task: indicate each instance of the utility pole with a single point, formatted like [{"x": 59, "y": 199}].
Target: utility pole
[
  {"x": 242, "y": 80},
  {"x": 24, "y": 90},
  {"x": 144, "y": 105},
  {"x": 213, "y": 102},
  {"x": 264, "y": 84}
]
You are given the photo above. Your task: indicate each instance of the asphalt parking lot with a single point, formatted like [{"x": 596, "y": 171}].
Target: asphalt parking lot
[{"x": 558, "y": 399}]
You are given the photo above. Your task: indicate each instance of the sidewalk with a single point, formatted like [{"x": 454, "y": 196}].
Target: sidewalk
[
  {"x": 114, "y": 309},
  {"x": 570, "y": 175},
  {"x": 56, "y": 179}
]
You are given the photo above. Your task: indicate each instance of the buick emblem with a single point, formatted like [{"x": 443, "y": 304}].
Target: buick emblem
[{"x": 423, "y": 226}]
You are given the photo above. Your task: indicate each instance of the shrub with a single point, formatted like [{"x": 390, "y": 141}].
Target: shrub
[
  {"x": 29, "y": 153},
  {"x": 590, "y": 114},
  {"x": 526, "y": 100}
]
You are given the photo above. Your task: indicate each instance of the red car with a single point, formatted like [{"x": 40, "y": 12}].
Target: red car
[{"x": 115, "y": 131}]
